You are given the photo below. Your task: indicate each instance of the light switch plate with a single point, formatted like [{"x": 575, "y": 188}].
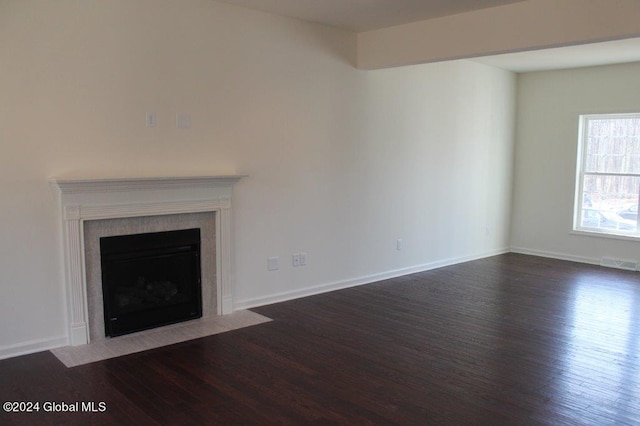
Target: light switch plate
[{"x": 183, "y": 121}]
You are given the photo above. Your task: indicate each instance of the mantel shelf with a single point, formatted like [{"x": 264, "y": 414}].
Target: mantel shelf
[{"x": 75, "y": 185}]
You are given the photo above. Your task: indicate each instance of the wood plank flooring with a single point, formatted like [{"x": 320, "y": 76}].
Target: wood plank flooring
[{"x": 511, "y": 339}]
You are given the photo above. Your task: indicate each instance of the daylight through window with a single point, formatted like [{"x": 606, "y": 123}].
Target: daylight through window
[{"x": 608, "y": 184}]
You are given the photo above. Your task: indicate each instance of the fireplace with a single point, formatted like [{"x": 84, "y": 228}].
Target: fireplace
[
  {"x": 85, "y": 201},
  {"x": 150, "y": 280}
]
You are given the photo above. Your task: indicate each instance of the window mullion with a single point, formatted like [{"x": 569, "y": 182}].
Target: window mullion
[{"x": 611, "y": 174}]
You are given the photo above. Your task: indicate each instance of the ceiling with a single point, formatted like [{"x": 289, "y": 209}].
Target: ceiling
[{"x": 364, "y": 15}]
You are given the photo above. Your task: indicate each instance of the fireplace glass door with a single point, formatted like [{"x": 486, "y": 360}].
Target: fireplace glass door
[{"x": 150, "y": 280}]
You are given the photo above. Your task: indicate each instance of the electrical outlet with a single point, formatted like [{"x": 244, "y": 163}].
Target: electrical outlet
[
  {"x": 303, "y": 259},
  {"x": 399, "y": 244},
  {"x": 273, "y": 263},
  {"x": 296, "y": 260}
]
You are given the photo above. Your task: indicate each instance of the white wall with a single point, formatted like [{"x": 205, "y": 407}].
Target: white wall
[
  {"x": 549, "y": 104},
  {"x": 341, "y": 162},
  {"x": 428, "y": 158}
]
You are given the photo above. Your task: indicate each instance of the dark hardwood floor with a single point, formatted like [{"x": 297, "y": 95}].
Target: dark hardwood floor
[{"x": 511, "y": 339}]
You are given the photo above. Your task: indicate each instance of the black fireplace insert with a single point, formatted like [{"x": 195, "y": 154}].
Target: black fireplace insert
[{"x": 150, "y": 280}]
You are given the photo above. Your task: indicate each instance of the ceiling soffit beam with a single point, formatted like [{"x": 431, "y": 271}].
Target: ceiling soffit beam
[{"x": 527, "y": 25}]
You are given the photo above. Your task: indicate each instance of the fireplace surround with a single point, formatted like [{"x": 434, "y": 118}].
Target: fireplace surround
[{"x": 83, "y": 200}]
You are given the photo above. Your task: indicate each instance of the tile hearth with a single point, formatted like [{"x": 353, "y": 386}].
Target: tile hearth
[{"x": 72, "y": 356}]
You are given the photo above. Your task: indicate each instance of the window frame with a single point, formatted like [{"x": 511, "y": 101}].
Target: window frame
[{"x": 580, "y": 177}]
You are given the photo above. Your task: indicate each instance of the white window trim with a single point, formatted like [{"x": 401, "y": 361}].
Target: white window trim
[{"x": 580, "y": 174}]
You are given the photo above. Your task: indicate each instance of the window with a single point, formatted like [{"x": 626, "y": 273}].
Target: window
[{"x": 608, "y": 184}]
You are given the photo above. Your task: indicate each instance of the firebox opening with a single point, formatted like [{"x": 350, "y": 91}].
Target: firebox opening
[{"x": 150, "y": 280}]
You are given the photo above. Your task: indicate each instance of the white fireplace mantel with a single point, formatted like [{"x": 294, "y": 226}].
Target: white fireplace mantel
[{"x": 94, "y": 199}]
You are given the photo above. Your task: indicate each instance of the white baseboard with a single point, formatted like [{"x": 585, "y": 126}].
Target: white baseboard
[
  {"x": 32, "y": 346},
  {"x": 555, "y": 255},
  {"x": 367, "y": 279}
]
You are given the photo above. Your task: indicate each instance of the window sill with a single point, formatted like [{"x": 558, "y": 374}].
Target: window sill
[{"x": 624, "y": 237}]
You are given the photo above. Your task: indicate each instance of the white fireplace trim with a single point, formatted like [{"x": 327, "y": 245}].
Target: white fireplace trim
[{"x": 93, "y": 199}]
